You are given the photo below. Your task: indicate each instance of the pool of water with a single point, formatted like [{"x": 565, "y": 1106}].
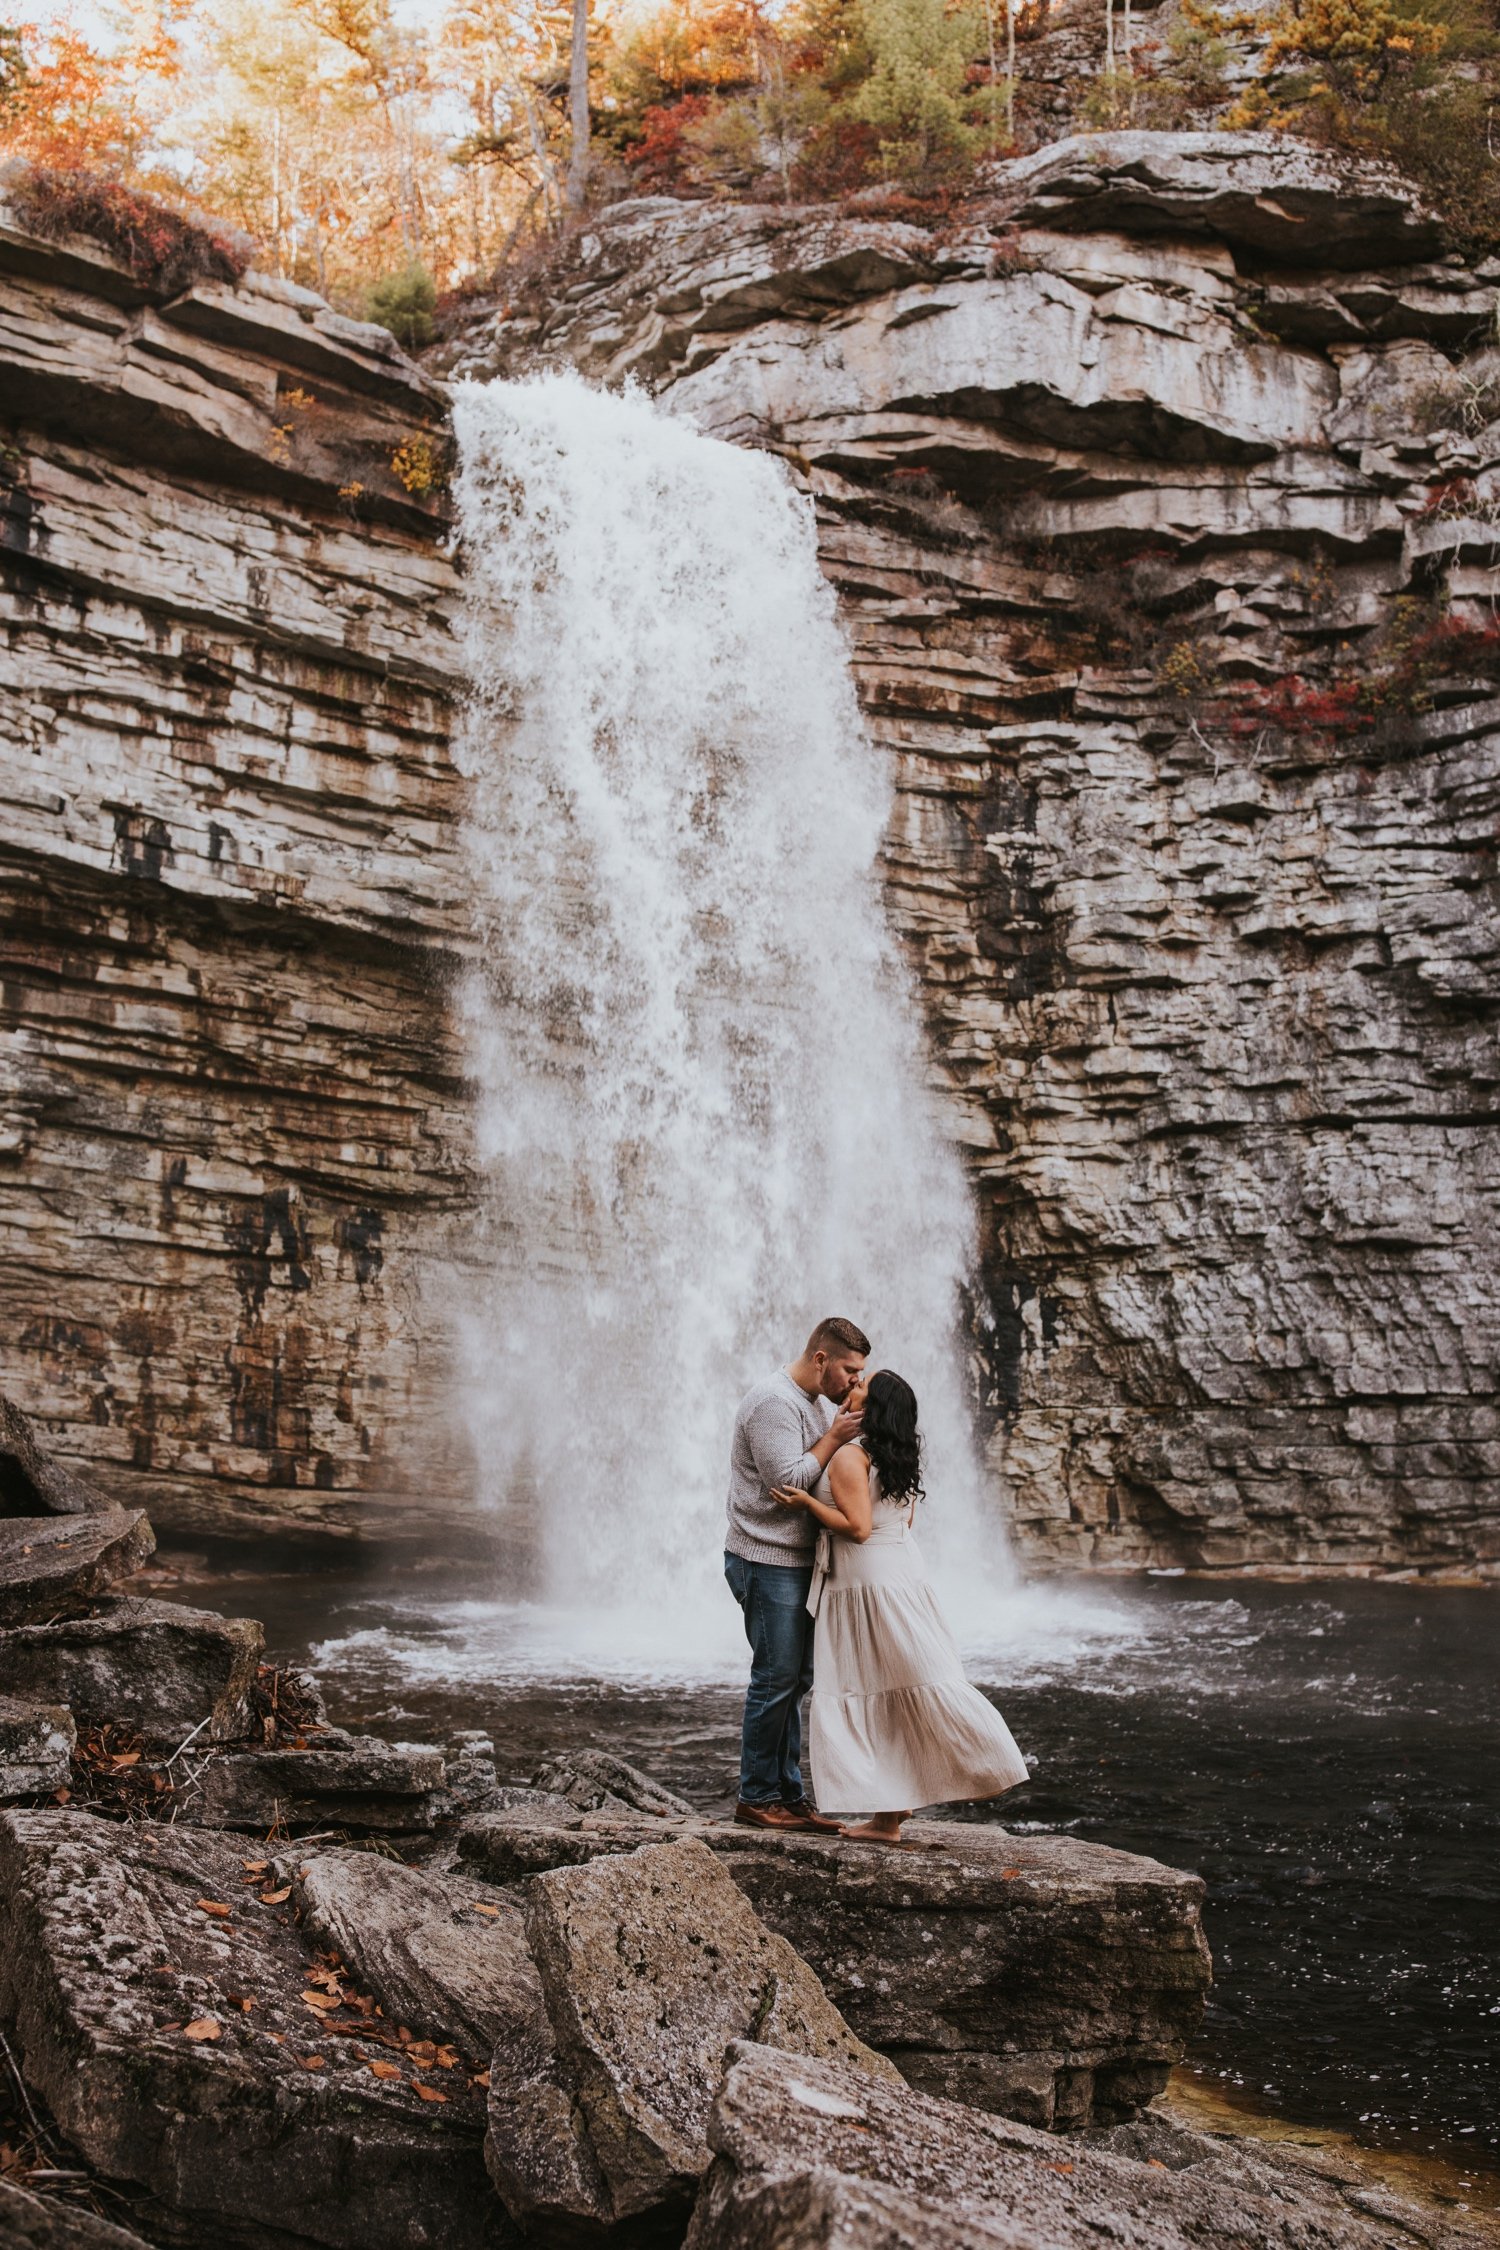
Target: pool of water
[{"x": 1324, "y": 1755}]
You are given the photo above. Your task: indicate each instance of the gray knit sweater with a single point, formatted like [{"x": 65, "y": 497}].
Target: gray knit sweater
[{"x": 776, "y": 1424}]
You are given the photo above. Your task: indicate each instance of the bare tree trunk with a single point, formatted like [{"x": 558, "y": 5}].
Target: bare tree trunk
[
  {"x": 1109, "y": 36},
  {"x": 578, "y": 107},
  {"x": 1010, "y": 70}
]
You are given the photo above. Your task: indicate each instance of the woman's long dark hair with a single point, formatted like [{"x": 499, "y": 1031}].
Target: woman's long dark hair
[{"x": 889, "y": 1435}]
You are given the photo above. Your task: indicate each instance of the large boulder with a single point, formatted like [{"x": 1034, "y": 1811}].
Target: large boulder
[
  {"x": 651, "y": 1965},
  {"x": 340, "y": 1781},
  {"x": 151, "y": 1666},
  {"x": 55, "y": 1563},
  {"x": 817, "y": 2155},
  {"x": 440, "y": 1953},
  {"x": 31, "y": 1482},
  {"x": 36, "y": 1746},
  {"x": 1039, "y": 1977},
  {"x": 186, "y": 2036}
]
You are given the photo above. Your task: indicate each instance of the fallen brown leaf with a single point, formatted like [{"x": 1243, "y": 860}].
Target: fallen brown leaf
[
  {"x": 126, "y": 1758},
  {"x": 1059, "y": 2167},
  {"x": 62, "y": 1796},
  {"x": 385, "y": 2069},
  {"x": 447, "y": 2058},
  {"x": 1009, "y": 1874},
  {"x": 428, "y": 2093},
  {"x": 203, "y": 2027},
  {"x": 492, "y": 1911},
  {"x": 321, "y": 1999},
  {"x": 1155, "y": 2164},
  {"x": 215, "y": 1906},
  {"x": 275, "y": 1898},
  {"x": 421, "y": 2050},
  {"x": 312, "y": 2062},
  {"x": 480, "y": 2078},
  {"x": 255, "y": 1866}
]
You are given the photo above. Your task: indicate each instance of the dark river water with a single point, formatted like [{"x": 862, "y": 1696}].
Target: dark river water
[{"x": 1325, "y": 1756}]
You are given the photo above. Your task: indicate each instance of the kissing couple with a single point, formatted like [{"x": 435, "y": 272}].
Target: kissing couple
[{"x": 825, "y": 1475}]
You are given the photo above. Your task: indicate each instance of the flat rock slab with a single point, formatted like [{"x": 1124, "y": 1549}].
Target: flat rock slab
[
  {"x": 440, "y": 1953},
  {"x": 148, "y": 1665},
  {"x": 650, "y": 1966},
  {"x": 365, "y": 1784},
  {"x": 36, "y": 1746},
  {"x": 35, "y": 2222},
  {"x": 1035, "y": 1976},
  {"x": 49, "y": 1563},
  {"x": 816, "y": 2155},
  {"x": 124, "y": 1982},
  {"x": 31, "y": 1482}
]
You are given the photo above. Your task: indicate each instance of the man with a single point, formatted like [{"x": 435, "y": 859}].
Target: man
[{"x": 786, "y": 1432}]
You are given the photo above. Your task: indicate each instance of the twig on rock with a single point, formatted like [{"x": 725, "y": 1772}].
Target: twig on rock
[{"x": 22, "y": 2089}]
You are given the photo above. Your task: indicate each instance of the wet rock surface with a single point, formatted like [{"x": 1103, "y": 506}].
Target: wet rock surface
[
  {"x": 1039, "y": 1977},
  {"x": 159, "y": 1668},
  {"x": 650, "y": 1965},
  {"x": 809, "y": 2153},
  {"x": 36, "y": 1745},
  {"x": 169, "y": 2017}
]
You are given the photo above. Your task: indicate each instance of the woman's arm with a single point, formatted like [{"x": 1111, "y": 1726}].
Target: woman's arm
[{"x": 852, "y": 1513}]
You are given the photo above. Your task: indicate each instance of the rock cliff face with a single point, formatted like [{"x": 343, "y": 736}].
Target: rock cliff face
[
  {"x": 1163, "y": 498},
  {"x": 230, "y": 1125}
]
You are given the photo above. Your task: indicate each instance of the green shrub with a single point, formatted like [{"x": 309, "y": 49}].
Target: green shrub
[{"x": 403, "y": 302}]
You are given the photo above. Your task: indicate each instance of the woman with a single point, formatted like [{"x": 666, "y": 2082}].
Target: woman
[{"x": 894, "y": 1721}]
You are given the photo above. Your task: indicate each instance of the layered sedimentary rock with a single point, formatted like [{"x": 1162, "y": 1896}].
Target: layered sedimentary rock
[
  {"x": 1161, "y": 493},
  {"x": 230, "y": 1127}
]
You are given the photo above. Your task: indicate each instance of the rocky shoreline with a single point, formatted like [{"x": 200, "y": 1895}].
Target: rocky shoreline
[{"x": 267, "y": 1983}]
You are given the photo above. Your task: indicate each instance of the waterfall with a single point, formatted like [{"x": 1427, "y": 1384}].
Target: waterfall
[{"x": 702, "y": 1114}]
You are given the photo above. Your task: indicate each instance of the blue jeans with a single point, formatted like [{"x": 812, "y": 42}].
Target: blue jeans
[{"x": 773, "y": 1597}]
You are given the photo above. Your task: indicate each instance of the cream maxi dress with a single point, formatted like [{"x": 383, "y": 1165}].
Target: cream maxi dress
[{"x": 894, "y": 1722}]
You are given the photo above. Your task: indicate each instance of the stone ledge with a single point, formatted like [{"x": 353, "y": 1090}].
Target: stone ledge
[{"x": 1049, "y": 1980}]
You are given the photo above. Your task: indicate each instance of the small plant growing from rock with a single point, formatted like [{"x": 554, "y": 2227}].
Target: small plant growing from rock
[{"x": 419, "y": 463}]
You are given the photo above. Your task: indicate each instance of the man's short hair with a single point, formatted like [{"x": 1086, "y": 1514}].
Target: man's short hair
[{"x": 831, "y": 1336}]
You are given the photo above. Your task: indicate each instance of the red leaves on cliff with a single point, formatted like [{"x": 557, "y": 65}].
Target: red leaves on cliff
[
  {"x": 662, "y": 154},
  {"x": 1292, "y": 706},
  {"x": 163, "y": 248}
]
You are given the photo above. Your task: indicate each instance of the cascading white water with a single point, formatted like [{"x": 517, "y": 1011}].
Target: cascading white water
[{"x": 702, "y": 1110}]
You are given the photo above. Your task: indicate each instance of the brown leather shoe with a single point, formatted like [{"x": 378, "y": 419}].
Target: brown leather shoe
[
  {"x": 783, "y": 1817},
  {"x": 814, "y": 1819}
]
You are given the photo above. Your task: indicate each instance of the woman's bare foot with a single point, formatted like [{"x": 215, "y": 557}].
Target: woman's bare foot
[{"x": 880, "y": 1828}]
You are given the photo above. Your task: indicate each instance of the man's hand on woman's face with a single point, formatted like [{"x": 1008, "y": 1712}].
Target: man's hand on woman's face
[{"x": 845, "y": 1425}]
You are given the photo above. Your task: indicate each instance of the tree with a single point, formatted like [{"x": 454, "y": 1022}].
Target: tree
[
  {"x": 914, "y": 94},
  {"x": 1337, "y": 53},
  {"x": 578, "y": 107}
]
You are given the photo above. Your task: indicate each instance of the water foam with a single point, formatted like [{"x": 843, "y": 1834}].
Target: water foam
[{"x": 703, "y": 1110}]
